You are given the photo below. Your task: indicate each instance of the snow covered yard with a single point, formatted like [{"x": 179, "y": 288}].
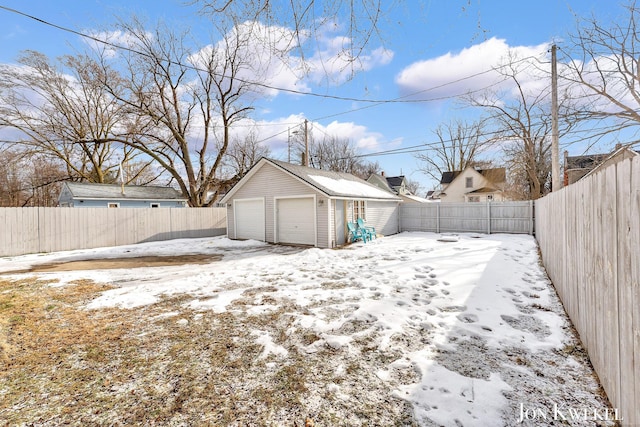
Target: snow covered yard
[{"x": 405, "y": 330}]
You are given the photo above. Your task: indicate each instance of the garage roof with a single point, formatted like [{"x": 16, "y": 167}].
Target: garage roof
[
  {"x": 86, "y": 190},
  {"x": 332, "y": 184}
]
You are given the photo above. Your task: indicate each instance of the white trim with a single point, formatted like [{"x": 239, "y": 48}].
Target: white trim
[
  {"x": 315, "y": 215},
  {"x": 243, "y": 180},
  {"x": 330, "y": 208},
  {"x": 128, "y": 199},
  {"x": 235, "y": 218}
]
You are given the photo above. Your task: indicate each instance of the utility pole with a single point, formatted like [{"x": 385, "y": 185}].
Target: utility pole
[
  {"x": 306, "y": 142},
  {"x": 556, "y": 184}
]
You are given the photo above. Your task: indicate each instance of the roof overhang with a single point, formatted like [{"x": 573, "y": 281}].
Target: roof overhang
[{"x": 260, "y": 164}]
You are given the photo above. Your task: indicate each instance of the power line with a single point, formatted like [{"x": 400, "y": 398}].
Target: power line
[
  {"x": 405, "y": 99},
  {"x": 401, "y": 99}
]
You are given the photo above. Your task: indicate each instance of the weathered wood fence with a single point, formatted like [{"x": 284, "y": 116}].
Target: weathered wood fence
[
  {"x": 33, "y": 230},
  {"x": 589, "y": 236},
  {"x": 493, "y": 217}
]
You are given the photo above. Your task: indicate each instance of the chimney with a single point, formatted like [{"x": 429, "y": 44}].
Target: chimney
[
  {"x": 382, "y": 173},
  {"x": 618, "y": 146}
]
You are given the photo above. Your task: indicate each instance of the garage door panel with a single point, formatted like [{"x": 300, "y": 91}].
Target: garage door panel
[
  {"x": 295, "y": 221},
  {"x": 249, "y": 219}
]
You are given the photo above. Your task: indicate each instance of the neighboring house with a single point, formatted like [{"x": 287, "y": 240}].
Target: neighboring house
[
  {"x": 89, "y": 195},
  {"x": 577, "y": 167},
  {"x": 396, "y": 185},
  {"x": 410, "y": 198},
  {"x": 279, "y": 202},
  {"x": 471, "y": 185}
]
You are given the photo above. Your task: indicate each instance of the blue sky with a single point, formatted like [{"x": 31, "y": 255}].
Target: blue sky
[{"x": 424, "y": 45}]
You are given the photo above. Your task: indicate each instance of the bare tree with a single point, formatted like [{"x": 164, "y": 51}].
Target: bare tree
[
  {"x": 340, "y": 155},
  {"x": 414, "y": 187},
  {"x": 605, "y": 64},
  {"x": 521, "y": 119},
  {"x": 10, "y": 179},
  {"x": 307, "y": 19},
  {"x": 58, "y": 109},
  {"x": 182, "y": 103},
  {"x": 459, "y": 146},
  {"x": 29, "y": 180},
  {"x": 243, "y": 153}
]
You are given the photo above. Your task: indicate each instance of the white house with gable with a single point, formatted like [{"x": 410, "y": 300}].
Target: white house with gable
[{"x": 471, "y": 185}]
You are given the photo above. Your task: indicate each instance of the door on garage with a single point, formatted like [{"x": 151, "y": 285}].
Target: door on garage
[
  {"x": 295, "y": 220},
  {"x": 249, "y": 219}
]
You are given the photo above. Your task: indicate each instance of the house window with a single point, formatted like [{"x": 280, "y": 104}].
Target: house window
[
  {"x": 469, "y": 182},
  {"x": 113, "y": 205},
  {"x": 359, "y": 210},
  {"x": 489, "y": 197},
  {"x": 474, "y": 198},
  {"x": 155, "y": 205}
]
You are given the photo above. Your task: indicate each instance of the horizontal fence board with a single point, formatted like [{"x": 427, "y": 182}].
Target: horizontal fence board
[
  {"x": 33, "y": 230},
  {"x": 589, "y": 237}
]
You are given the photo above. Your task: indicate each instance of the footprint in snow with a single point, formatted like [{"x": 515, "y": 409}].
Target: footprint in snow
[
  {"x": 467, "y": 317},
  {"x": 453, "y": 308},
  {"x": 530, "y": 295},
  {"x": 429, "y": 282}
]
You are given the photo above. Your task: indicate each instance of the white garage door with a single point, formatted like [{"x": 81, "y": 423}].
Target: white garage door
[
  {"x": 295, "y": 221},
  {"x": 249, "y": 219}
]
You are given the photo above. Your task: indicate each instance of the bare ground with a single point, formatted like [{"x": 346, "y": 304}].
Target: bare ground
[{"x": 166, "y": 364}]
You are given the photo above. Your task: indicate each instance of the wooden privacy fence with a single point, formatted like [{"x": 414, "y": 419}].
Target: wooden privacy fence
[
  {"x": 589, "y": 236},
  {"x": 33, "y": 230},
  {"x": 492, "y": 217}
]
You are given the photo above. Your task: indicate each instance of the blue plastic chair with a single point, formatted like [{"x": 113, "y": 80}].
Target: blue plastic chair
[
  {"x": 368, "y": 230},
  {"x": 356, "y": 233}
]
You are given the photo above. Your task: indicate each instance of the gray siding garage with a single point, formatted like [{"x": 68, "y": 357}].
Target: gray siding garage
[{"x": 279, "y": 202}]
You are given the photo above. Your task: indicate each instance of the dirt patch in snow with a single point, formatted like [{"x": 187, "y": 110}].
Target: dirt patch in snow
[{"x": 124, "y": 262}]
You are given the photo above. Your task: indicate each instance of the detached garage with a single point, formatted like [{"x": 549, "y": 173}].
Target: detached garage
[{"x": 279, "y": 202}]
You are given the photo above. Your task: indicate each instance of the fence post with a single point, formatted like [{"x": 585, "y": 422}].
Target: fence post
[
  {"x": 438, "y": 218},
  {"x": 488, "y": 217},
  {"x": 531, "y": 217}
]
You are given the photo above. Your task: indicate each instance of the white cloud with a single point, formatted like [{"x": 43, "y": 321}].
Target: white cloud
[
  {"x": 334, "y": 61},
  {"x": 471, "y": 69},
  {"x": 111, "y": 39},
  {"x": 364, "y": 139},
  {"x": 275, "y": 133}
]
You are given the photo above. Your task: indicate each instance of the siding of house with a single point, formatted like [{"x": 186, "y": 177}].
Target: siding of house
[
  {"x": 456, "y": 190},
  {"x": 269, "y": 182},
  {"x": 383, "y": 216},
  {"x": 125, "y": 203}
]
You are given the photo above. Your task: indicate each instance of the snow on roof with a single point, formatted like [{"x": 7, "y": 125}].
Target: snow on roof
[
  {"x": 416, "y": 198},
  {"x": 114, "y": 191},
  {"x": 351, "y": 188}
]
